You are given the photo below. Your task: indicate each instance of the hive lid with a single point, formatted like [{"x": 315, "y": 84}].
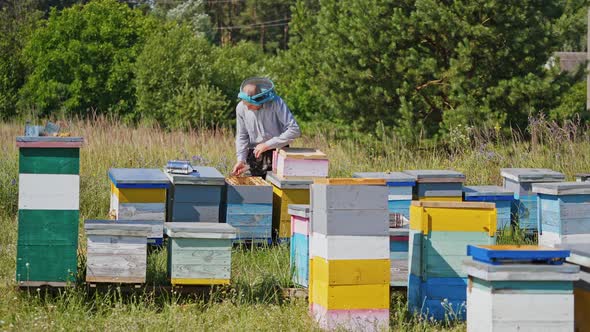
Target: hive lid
[
  {"x": 48, "y": 142},
  {"x": 579, "y": 253},
  {"x": 532, "y": 175},
  {"x": 562, "y": 188},
  {"x": 288, "y": 183},
  {"x": 487, "y": 191},
  {"x": 302, "y": 153},
  {"x": 433, "y": 175},
  {"x": 454, "y": 205},
  {"x": 199, "y": 230},
  {"x": 202, "y": 175},
  {"x": 349, "y": 181},
  {"x": 391, "y": 178},
  {"x": 299, "y": 210},
  {"x": 138, "y": 178},
  {"x": 582, "y": 176},
  {"x": 119, "y": 227},
  {"x": 245, "y": 181},
  {"x": 521, "y": 272},
  {"x": 511, "y": 254}
]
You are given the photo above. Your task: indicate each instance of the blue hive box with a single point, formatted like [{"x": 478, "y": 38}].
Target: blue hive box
[{"x": 493, "y": 194}]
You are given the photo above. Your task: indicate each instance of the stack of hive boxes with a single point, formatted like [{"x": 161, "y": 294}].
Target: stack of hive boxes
[
  {"x": 249, "y": 209},
  {"x": 294, "y": 173},
  {"x": 299, "y": 254},
  {"x": 580, "y": 255},
  {"x": 197, "y": 196},
  {"x": 493, "y": 194},
  {"x": 519, "y": 288},
  {"x": 349, "y": 250},
  {"x": 199, "y": 253},
  {"x": 438, "y": 185},
  {"x": 439, "y": 235},
  {"x": 520, "y": 182},
  {"x": 563, "y": 210},
  {"x": 116, "y": 251},
  {"x": 48, "y": 210},
  {"x": 140, "y": 194},
  {"x": 400, "y": 187}
]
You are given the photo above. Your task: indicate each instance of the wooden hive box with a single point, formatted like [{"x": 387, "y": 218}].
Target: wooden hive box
[
  {"x": 286, "y": 192},
  {"x": 401, "y": 186},
  {"x": 301, "y": 162},
  {"x": 197, "y": 196},
  {"x": 349, "y": 251},
  {"x": 48, "y": 210},
  {"x": 520, "y": 181},
  {"x": 580, "y": 256},
  {"x": 140, "y": 194},
  {"x": 398, "y": 254},
  {"x": 520, "y": 295},
  {"x": 563, "y": 210},
  {"x": 116, "y": 251},
  {"x": 299, "y": 246},
  {"x": 438, "y": 185},
  {"x": 493, "y": 194},
  {"x": 249, "y": 208},
  {"x": 199, "y": 253},
  {"x": 438, "y": 238}
]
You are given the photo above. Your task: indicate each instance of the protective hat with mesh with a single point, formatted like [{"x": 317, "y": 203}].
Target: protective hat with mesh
[{"x": 265, "y": 91}]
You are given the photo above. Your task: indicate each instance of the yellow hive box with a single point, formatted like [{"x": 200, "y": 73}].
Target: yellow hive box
[
  {"x": 281, "y": 219},
  {"x": 139, "y": 195},
  {"x": 350, "y": 271},
  {"x": 453, "y": 216},
  {"x": 350, "y": 297},
  {"x": 190, "y": 281}
]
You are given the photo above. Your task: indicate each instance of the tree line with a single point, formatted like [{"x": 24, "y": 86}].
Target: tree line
[{"x": 419, "y": 68}]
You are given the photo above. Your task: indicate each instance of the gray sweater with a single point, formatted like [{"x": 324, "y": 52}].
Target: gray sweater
[{"x": 273, "y": 124}]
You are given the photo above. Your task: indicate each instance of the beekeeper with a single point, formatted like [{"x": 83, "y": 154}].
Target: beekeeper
[{"x": 264, "y": 123}]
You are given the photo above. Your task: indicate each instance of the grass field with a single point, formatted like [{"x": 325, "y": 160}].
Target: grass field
[{"x": 253, "y": 301}]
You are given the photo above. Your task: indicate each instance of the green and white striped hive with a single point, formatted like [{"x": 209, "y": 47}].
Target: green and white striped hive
[{"x": 48, "y": 210}]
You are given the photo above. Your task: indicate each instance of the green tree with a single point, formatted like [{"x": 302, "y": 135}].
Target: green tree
[
  {"x": 17, "y": 21},
  {"x": 424, "y": 66},
  {"x": 82, "y": 59}
]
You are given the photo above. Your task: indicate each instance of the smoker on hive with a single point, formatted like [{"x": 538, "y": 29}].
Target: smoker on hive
[{"x": 264, "y": 123}]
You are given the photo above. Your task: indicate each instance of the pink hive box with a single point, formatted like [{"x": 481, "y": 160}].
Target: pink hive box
[{"x": 301, "y": 162}]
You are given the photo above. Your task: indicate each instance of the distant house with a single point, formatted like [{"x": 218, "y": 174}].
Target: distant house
[{"x": 568, "y": 61}]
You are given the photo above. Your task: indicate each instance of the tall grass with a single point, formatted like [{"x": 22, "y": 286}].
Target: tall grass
[{"x": 253, "y": 301}]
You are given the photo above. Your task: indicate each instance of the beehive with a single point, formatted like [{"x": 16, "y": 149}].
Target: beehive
[
  {"x": 299, "y": 253},
  {"x": 197, "y": 196},
  {"x": 286, "y": 192},
  {"x": 439, "y": 235},
  {"x": 249, "y": 208},
  {"x": 48, "y": 210},
  {"x": 580, "y": 256},
  {"x": 301, "y": 162},
  {"x": 523, "y": 289},
  {"x": 493, "y": 194},
  {"x": 399, "y": 197},
  {"x": 349, "y": 250},
  {"x": 563, "y": 209},
  {"x": 438, "y": 185},
  {"x": 116, "y": 251},
  {"x": 199, "y": 253},
  {"x": 398, "y": 254},
  {"x": 520, "y": 181},
  {"x": 140, "y": 194}
]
